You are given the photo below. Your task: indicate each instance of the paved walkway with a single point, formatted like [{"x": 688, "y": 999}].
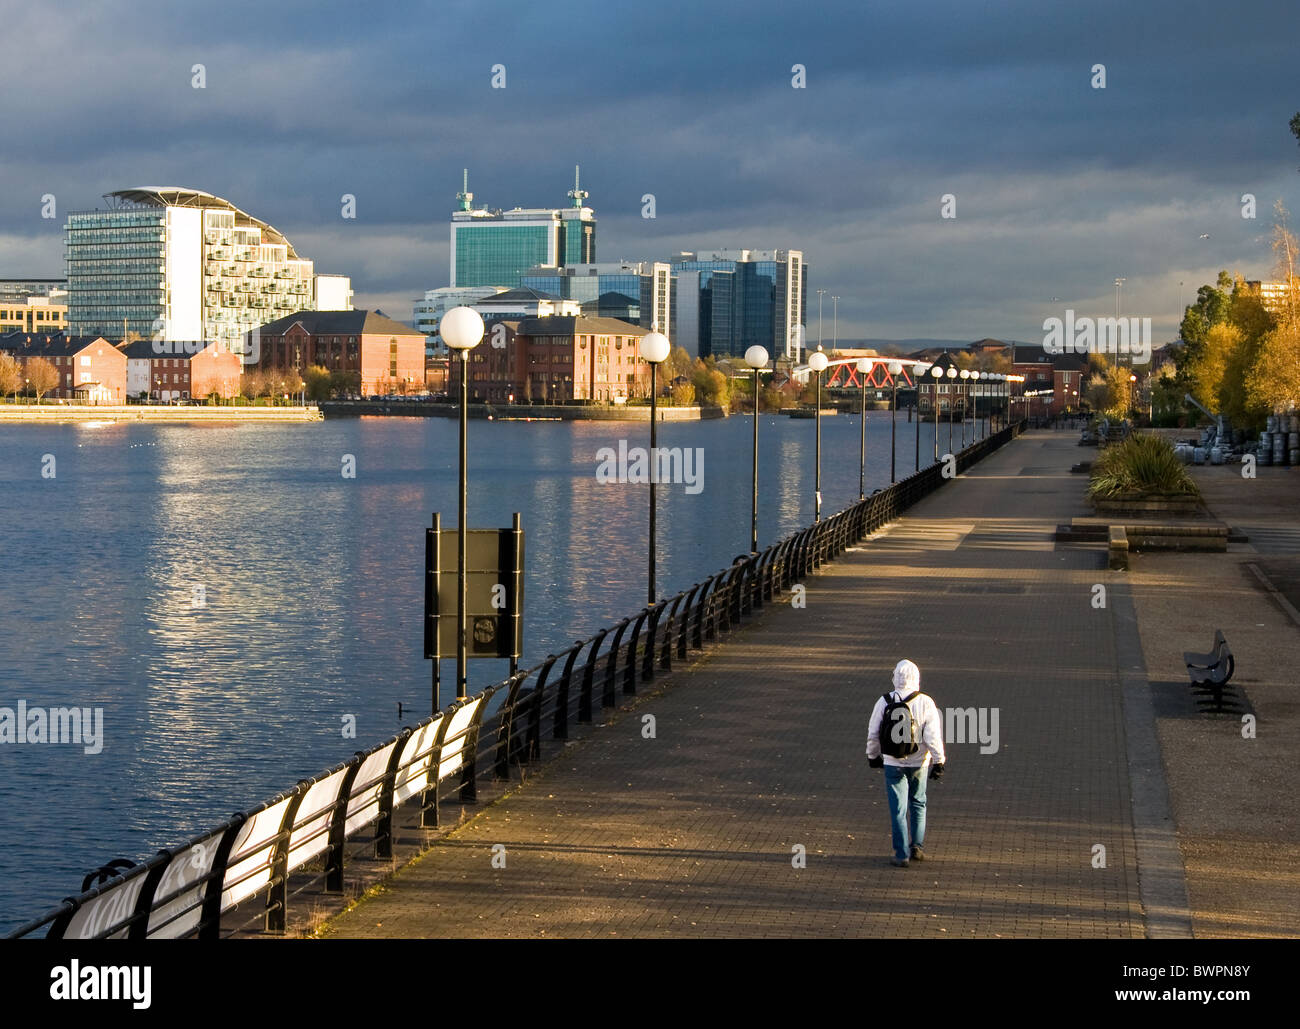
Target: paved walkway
[
  {"x": 1233, "y": 794},
  {"x": 759, "y": 750}
]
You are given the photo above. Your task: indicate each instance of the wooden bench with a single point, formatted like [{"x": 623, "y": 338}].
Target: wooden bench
[{"x": 1210, "y": 673}]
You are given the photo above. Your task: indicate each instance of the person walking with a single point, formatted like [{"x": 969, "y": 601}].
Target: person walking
[{"x": 905, "y": 737}]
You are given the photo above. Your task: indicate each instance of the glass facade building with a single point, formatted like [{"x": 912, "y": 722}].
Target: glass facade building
[
  {"x": 116, "y": 269},
  {"x": 742, "y": 298},
  {"x": 645, "y": 286},
  {"x": 496, "y": 248}
]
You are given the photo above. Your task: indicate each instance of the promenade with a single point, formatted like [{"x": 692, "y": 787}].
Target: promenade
[{"x": 1058, "y": 825}]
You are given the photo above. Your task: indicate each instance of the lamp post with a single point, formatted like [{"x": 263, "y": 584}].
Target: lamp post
[
  {"x": 894, "y": 368},
  {"x": 817, "y": 364},
  {"x": 756, "y": 358},
  {"x": 820, "y": 294},
  {"x": 952, "y": 393},
  {"x": 462, "y": 329},
  {"x": 864, "y": 369},
  {"x": 916, "y": 404},
  {"x": 936, "y": 373},
  {"x": 965, "y": 402},
  {"x": 654, "y": 348}
]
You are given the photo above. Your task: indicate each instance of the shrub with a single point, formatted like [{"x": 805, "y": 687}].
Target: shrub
[{"x": 1141, "y": 464}]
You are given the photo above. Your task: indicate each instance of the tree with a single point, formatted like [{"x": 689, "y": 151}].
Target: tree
[
  {"x": 683, "y": 394},
  {"x": 775, "y": 399},
  {"x": 252, "y": 384},
  {"x": 1295, "y": 126},
  {"x": 1273, "y": 382},
  {"x": 679, "y": 362},
  {"x": 1284, "y": 254},
  {"x": 11, "y": 375},
  {"x": 711, "y": 386},
  {"x": 345, "y": 383},
  {"x": 319, "y": 384},
  {"x": 41, "y": 376}
]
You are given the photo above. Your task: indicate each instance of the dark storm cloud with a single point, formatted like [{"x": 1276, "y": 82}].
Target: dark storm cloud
[{"x": 1060, "y": 187}]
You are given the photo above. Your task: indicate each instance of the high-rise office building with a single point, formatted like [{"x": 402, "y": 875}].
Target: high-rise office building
[
  {"x": 636, "y": 291},
  {"x": 494, "y": 247},
  {"x": 180, "y": 264},
  {"x": 730, "y": 300}
]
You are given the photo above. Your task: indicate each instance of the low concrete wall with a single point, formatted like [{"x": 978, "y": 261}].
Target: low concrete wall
[
  {"x": 517, "y": 412},
  {"x": 148, "y": 413}
]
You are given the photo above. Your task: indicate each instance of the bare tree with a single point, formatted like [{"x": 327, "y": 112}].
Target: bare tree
[
  {"x": 41, "y": 376},
  {"x": 11, "y": 375}
]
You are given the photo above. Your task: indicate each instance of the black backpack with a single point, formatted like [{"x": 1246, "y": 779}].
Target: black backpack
[{"x": 897, "y": 735}]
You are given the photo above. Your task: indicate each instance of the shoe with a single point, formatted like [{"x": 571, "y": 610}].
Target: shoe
[
  {"x": 918, "y": 854},
  {"x": 897, "y": 863}
]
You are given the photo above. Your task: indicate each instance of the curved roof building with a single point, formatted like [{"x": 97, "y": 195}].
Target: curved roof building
[{"x": 179, "y": 264}]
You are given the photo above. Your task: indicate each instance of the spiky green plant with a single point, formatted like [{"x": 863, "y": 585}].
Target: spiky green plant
[{"x": 1140, "y": 464}]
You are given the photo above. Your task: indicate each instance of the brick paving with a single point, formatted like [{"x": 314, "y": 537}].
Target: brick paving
[{"x": 759, "y": 749}]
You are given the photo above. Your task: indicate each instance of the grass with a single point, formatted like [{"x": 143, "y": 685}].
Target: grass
[{"x": 1140, "y": 464}]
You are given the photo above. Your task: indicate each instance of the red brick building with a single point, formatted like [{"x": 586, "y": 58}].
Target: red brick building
[
  {"x": 91, "y": 370},
  {"x": 556, "y": 359},
  {"x": 388, "y": 355},
  {"x": 171, "y": 370}
]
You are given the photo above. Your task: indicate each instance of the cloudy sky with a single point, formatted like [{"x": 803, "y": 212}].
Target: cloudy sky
[{"x": 1060, "y": 187}]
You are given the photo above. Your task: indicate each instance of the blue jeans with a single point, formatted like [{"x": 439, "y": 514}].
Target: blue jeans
[{"x": 899, "y": 783}]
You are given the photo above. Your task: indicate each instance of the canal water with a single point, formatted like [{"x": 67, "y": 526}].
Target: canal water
[{"x": 312, "y": 593}]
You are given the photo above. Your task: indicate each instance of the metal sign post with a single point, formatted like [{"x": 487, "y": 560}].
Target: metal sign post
[{"x": 493, "y": 590}]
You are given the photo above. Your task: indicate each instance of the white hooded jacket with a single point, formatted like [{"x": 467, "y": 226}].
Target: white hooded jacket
[{"x": 929, "y": 723}]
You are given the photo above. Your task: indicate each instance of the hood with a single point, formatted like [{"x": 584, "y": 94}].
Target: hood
[{"x": 907, "y": 678}]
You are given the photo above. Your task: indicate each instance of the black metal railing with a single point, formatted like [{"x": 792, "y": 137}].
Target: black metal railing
[{"x": 249, "y": 861}]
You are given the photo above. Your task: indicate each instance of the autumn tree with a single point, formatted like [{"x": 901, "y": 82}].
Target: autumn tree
[
  {"x": 683, "y": 394},
  {"x": 319, "y": 385},
  {"x": 11, "y": 375},
  {"x": 41, "y": 376}
]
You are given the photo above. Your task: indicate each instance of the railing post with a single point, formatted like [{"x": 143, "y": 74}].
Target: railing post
[
  {"x": 588, "y": 676},
  {"x": 429, "y": 813},
  {"x": 560, "y": 720},
  {"x": 666, "y": 653},
  {"x": 506, "y": 725},
  {"x": 629, "y": 669},
  {"x": 534, "y": 748},
  {"x": 210, "y": 914},
  {"x": 277, "y": 890},
  {"x": 610, "y": 695},
  {"x": 384, "y": 824},
  {"x": 652, "y": 638},
  {"x": 682, "y": 645}
]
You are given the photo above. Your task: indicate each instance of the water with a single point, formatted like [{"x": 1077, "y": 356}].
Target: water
[{"x": 314, "y": 594}]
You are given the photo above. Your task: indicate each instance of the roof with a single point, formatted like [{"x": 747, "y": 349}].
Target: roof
[
  {"x": 56, "y": 344},
  {"x": 341, "y": 323},
  {"x": 514, "y": 296},
  {"x": 182, "y": 196},
  {"x": 138, "y": 349},
  {"x": 568, "y": 325}
]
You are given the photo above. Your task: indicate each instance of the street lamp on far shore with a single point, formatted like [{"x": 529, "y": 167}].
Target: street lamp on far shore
[
  {"x": 817, "y": 363},
  {"x": 756, "y": 358},
  {"x": 952, "y": 393},
  {"x": 461, "y": 329},
  {"x": 936, "y": 373},
  {"x": 965, "y": 381},
  {"x": 654, "y": 349},
  {"x": 895, "y": 368},
  {"x": 864, "y": 369}
]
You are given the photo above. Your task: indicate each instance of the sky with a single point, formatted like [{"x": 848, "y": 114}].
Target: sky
[{"x": 1060, "y": 187}]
